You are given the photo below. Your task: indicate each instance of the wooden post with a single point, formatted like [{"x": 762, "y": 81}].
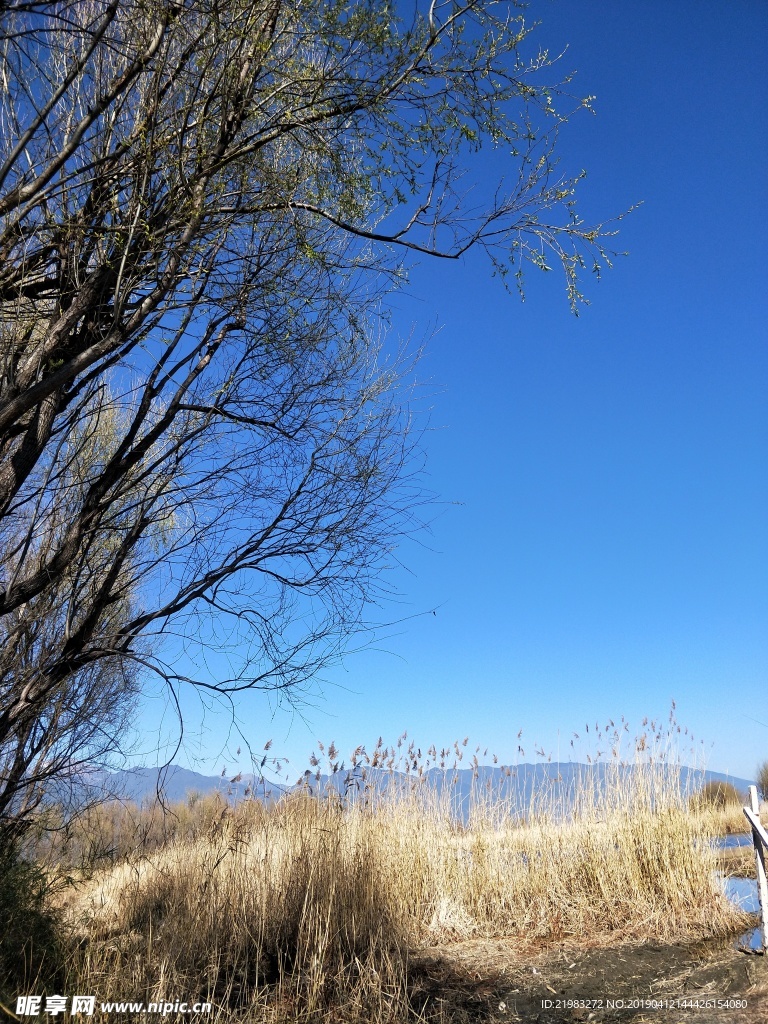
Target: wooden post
[{"x": 760, "y": 839}]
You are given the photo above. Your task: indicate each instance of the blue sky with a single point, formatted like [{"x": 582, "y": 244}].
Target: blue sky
[{"x": 602, "y": 546}]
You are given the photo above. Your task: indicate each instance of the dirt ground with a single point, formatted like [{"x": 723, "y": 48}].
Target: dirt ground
[
  {"x": 711, "y": 982},
  {"x": 497, "y": 983}
]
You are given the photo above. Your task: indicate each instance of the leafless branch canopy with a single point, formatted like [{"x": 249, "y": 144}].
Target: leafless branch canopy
[{"x": 202, "y": 203}]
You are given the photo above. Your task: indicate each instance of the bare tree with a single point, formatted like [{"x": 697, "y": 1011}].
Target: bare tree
[
  {"x": 82, "y": 722},
  {"x": 202, "y": 204}
]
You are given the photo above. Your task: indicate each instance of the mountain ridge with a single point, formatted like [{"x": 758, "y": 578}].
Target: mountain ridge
[{"x": 514, "y": 783}]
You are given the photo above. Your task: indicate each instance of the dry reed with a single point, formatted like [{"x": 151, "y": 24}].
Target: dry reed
[{"x": 308, "y": 910}]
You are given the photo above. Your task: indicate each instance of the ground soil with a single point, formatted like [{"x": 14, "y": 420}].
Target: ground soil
[{"x": 483, "y": 982}]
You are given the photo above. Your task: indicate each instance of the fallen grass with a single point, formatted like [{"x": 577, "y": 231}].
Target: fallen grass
[
  {"x": 310, "y": 910},
  {"x": 737, "y": 861}
]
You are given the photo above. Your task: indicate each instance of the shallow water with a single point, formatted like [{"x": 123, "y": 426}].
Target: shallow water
[
  {"x": 733, "y": 840},
  {"x": 743, "y": 892}
]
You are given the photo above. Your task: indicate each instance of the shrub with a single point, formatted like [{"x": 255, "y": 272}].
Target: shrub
[
  {"x": 30, "y": 947},
  {"x": 718, "y": 795}
]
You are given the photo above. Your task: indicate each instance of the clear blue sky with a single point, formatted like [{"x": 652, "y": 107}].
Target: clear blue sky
[{"x": 604, "y": 544}]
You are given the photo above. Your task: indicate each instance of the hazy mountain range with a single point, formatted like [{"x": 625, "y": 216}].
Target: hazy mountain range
[{"x": 518, "y": 787}]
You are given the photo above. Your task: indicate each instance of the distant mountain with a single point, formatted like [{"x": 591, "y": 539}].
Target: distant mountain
[
  {"x": 175, "y": 784},
  {"x": 518, "y": 788}
]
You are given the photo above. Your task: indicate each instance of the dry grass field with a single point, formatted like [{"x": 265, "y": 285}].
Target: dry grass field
[{"x": 317, "y": 909}]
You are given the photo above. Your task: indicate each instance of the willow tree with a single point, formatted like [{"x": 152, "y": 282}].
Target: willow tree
[{"x": 203, "y": 204}]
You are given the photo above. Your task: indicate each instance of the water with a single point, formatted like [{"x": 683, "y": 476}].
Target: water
[
  {"x": 743, "y": 892},
  {"x": 733, "y": 840}
]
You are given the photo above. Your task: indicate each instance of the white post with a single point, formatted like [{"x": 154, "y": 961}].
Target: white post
[{"x": 759, "y": 839}]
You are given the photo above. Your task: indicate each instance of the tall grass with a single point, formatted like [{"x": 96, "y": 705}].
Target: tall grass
[{"x": 310, "y": 910}]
